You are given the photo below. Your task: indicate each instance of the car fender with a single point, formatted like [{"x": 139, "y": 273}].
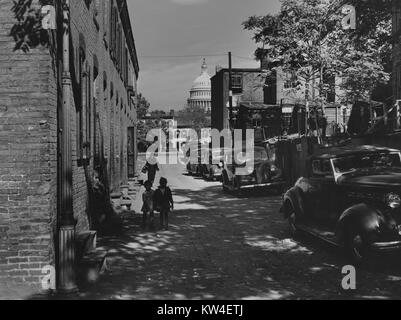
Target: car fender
[
  {"x": 360, "y": 219},
  {"x": 293, "y": 197}
]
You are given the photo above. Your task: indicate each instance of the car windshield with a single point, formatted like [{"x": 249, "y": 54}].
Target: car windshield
[{"x": 369, "y": 161}]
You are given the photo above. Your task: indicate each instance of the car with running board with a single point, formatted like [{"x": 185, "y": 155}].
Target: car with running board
[{"x": 351, "y": 198}]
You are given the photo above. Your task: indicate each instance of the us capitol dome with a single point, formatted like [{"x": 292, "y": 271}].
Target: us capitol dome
[{"x": 201, "y": 91}]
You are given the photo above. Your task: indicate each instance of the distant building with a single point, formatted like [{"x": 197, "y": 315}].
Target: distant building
[
  {"x": 265, "y": 120},
  {"x": 248, "y": 86},
  {"x": 288, "y": 90},
  {"x": 200, "y": 94}
]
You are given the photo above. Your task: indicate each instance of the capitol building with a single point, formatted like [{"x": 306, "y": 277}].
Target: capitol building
[{"x": 201, "y": 91}]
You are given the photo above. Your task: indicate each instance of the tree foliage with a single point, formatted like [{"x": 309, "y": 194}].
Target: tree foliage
[
  {"x": 306, "y": 37},
  {"x": 195, "y": 117},
  {"x": 143, "y": 106},
  {"x": 27, "y": 31}
]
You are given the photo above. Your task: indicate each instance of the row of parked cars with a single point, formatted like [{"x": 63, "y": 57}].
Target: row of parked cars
[
  {"x": 221, "y": 166},
  {"x": 210, "y": 170},
  {"x": 350, "y": 196}
]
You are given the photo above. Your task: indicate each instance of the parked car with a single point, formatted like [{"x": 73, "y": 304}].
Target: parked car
[
  {"x": 351, "y": 197},
  {"x": 214, "y": 168},
  {"x": 263, "y": 174},
  {"x": 194, "y": 166}
]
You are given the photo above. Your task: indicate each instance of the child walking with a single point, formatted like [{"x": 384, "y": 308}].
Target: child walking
[
  {"x": 147, "y": 207},
  {"x": 164, "y": 202}
]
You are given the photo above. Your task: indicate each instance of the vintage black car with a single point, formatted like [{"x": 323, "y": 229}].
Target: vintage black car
[
  {"x": 351, "y": 197},
  {"x": 263, "y": 174},
  {"x": 194, "y": 165},
  {"x": 214, "y": 168}
]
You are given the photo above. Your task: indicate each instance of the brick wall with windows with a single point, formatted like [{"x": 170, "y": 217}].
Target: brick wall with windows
[
  {"x": 247, "y": 87},
  {"x": 103, "y": 66}
]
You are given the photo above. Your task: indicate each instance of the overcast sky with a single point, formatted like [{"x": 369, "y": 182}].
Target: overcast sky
[{"x": 185, "y": 28}]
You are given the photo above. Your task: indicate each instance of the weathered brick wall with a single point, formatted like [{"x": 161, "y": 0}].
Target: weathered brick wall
[
  {"x": 28, "y": 142},
  {"x": 114, "y": 112},
  {"x": 28, "y": 147}
]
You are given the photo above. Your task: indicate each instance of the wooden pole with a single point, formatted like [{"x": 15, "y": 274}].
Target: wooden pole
[{"x": 230, "y": 85}]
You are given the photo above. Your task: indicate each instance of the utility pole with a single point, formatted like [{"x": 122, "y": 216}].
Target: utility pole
[
  {"x": 230, "y": 85},
  {"x": 66, "y": 232}
]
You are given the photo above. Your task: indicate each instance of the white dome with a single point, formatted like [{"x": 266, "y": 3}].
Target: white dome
[
  {"x": 201, "y": 91},
  {"x": 202, "y": 82}
]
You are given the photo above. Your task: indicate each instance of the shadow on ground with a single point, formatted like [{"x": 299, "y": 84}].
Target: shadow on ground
[{"x": 223, "y": 247}]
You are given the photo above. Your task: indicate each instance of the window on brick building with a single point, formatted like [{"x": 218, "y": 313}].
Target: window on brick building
[
  {"x": 88, "y": 3},
  {"x": 236, "y": 83},
  {"x": 88, "y": 115},
  {"x": 329, "y": 85},
  {"x": 83, "y": 112},
  {"x": 105, "y": 22},
  {"x": 291, "y": 81},
  {"x": 96, "y": 116},
  {"x": 113, "y": 31},
  {"x": 126, "y": 66},
  {"x": 80, "y": 106}
]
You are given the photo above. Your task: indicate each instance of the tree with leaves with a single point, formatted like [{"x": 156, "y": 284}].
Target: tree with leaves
[
  {"x": 306, "y": 37},
  {"x": 196, "y": 116},
  {"x": 27, "y": 32},
  {"x": 143, "y": 106}
]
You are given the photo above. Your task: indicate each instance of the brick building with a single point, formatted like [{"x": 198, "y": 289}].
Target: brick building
[
  {"x": 104, "y": 71},
  {"x": 288, "y": 90},
  {"x": 248, "y": 86}
]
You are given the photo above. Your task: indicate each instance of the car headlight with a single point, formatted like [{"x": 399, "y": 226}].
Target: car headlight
[{"x": 393, "y": 200}]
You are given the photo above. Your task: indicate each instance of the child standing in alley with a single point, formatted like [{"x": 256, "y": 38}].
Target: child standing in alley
[
  {"x": 164, "y": 202},
  {"x": 147, "y": 207}
]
